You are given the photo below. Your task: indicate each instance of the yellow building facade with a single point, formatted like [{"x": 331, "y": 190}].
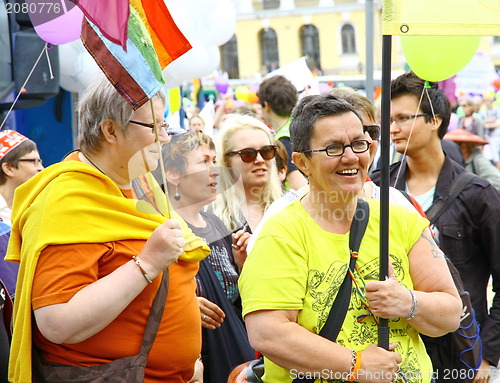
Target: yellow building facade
[{"x": 341, "y": 37}]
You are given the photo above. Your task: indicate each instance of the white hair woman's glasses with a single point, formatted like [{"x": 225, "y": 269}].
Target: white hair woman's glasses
[{"x": 152, "y": 125}]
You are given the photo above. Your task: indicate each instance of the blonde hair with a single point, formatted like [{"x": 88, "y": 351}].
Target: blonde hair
[{"x": 228, "y": 204}]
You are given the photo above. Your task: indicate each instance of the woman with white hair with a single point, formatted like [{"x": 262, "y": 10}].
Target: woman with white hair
[{"x": 94, "y": 260}]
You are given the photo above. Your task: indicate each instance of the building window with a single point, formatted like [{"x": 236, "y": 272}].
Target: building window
[
  {"x": 496, "y": 39},
  {"x": 269, "y": 49},
  {"x": 348, "y": 39},
  {"x": 229, "y": 58},
  {"x": 309, "y": 38},
  {"x": 271, "y": 4}
]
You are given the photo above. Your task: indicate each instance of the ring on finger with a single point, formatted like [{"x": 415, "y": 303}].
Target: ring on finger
[{"x": 203, "y": 317}]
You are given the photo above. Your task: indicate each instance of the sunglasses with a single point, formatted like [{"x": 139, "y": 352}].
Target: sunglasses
[{"x": 250, "y": 154}]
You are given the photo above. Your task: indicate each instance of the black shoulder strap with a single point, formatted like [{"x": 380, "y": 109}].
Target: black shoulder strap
[
  {"x": 459, "y": 184},
  {"x": 333, "y": 324},
  {"x": 155, "y": 314}
]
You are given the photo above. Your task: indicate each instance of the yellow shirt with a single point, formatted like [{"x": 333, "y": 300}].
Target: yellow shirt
[{"x": 296, "y": 265}]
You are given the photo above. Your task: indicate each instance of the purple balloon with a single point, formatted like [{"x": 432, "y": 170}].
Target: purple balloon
[
  {"x": 62, "y": 29},
  {"x": 221, "y": 84}
]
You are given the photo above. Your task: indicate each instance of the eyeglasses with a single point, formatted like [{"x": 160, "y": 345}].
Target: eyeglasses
[
  {"x": 404, "y": 119},
  {"x": 250, "y": 154},
  {"x": 337, "y": 149},
  {"x": 373, "y": 131},
  {"x": 36, "y": 161},
  {"x": 152, "y": 125}
]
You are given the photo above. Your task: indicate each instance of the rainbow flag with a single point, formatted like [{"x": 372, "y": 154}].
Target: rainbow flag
[
  {"x": 102, "y": 12},
  {"x": 153, "y": 42}
]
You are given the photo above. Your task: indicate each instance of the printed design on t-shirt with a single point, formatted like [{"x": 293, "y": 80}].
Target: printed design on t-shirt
[
  {"x": 225, "y": 272},
  {"x": 370, "y": 270},
  {"x": 362, "y": 334},
  {"x": 359, "y": 330},
  {"x": 323, "y": 288}
]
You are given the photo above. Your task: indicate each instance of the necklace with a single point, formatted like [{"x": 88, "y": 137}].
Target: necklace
[
  {"x": 136, "y": 185},
  {"x": 98, "y": 168},
  {"x": 93, "y": 164}
]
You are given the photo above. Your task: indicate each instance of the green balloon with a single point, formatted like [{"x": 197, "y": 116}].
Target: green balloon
[{"x": 437, "y": 58}]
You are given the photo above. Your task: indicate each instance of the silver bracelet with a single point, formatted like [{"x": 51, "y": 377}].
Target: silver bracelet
[
  {"x": 138, "y": 263},
  {"x": 414, "y": 305}
]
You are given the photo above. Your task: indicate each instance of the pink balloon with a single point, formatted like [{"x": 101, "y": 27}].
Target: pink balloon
[{"x": 63, "y": 29}]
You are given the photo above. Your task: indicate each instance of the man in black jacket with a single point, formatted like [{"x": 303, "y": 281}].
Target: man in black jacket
[{"x": 469, "y": 230}]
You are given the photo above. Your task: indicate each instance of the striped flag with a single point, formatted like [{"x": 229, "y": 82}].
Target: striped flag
[
  {"x": 153, "y": 42},
  {"x": 101, "y": 12}
]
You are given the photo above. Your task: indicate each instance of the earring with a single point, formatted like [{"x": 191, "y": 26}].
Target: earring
[{"x": 177, "y": 196}]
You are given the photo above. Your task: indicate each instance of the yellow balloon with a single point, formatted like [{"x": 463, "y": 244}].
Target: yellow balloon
[
  {"x": 174, "y": 98},
  {"x": 242, "y": 93},
  {"x": 437, "y": 58}
]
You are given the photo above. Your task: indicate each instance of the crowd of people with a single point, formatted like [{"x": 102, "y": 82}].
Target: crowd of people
[{"x": 158, "y": 255}]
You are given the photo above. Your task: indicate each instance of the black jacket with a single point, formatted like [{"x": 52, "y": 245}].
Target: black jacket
[{"x": 469, "y": 234}]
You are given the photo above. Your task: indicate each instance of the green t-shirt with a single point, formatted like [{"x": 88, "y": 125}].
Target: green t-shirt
[{"x": 296, "y": 265}]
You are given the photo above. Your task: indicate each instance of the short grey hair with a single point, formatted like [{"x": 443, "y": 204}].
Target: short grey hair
[
  {"x": 308, "y": 110},
  {"x": 101, "y": 102}
]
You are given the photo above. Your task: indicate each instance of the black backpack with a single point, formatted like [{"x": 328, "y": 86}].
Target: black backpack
[{"x": 457, "y": 355}]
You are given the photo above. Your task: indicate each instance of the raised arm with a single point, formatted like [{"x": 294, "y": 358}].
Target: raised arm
[
  {"x": 435, "y": 301},
  {"x": 276, "y": 334},
  {"x": 96, "y": 305}
]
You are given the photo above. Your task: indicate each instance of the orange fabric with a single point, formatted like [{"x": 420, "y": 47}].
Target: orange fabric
[
  {"x": 167, "y": 32},
  {"x": 178, "y": 343},
  {"x": 163, "y": 57}
]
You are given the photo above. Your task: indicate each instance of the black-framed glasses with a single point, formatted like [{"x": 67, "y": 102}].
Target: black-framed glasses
[
  {"x": 250, "y": 154},
  {"x": 337, "y": 149},
  {"x": 400, "y": 120},
  {"x": 152, "y": 125},
  {"x": 373, "y": 131},
  {"x": 36, "y": 161}
]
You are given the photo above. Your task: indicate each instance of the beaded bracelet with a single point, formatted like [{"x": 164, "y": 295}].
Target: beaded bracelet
[
  {"x": 138, "y": 263},
  {"x": 355, "y": 365},
  {"x": 414, "y": 305}
]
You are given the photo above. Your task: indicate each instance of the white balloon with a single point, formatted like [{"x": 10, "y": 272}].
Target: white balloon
[
  {"x": 213, "y": 61},
  {"x": 190, "y": 64},
  {"x": 87, "y": 69},
  {"x": 209, "y": 22},
  {"x": 170, "y": 80},
  {"x": 182, "y": 17},
  {"x": 77, "y": 67},
  {"x": 199, "y": 7},
  {"x": 217, "y": 27},
  {"x": 68, "y": 54}
]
